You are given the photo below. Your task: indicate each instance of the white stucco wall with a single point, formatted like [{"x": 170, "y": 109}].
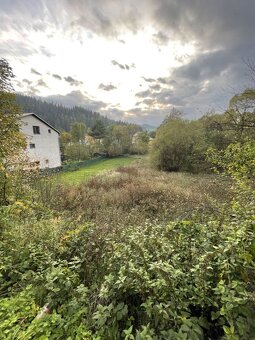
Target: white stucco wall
[{"x": 46, "y": 150}]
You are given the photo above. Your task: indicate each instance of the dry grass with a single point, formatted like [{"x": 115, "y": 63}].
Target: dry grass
[{"x": 132, "y": 195}]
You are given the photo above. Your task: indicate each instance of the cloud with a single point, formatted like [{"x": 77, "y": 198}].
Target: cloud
[
  {"x": 143, "y": 94},
  {"x": 31, "y": 91},
  {"x": 45, "y": 51},
  {"x": 19, "y": 83},
  {"x": 77, "y": 98},
  {"x": 162, "y": 80},
  {"x": 57, "y": 76},
  {"x": 106, "y": 19},
  {"x": 108, "y": 87},
  {"x": 205, "y": 66},
  {"x": 146, "y": 116},
  {"x": 16, "y": 48},
  {"x": 149, "y": 80},
  {"x": 28, "y": 82},
  {"x": 42, "y": 83},
  {"x": 35, "y": 72},
  {"x": 155, "y": 87},
  {"x": 72, "y": 81},
  {"x": 123, "y": 66},
  {"x": 221, "y": 33},
  {"x": 115, "y": 63},
  {"x": 160, "y": 38}
]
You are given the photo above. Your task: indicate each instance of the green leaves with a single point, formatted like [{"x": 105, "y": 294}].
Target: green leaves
[{"x": 189, "y": 279}]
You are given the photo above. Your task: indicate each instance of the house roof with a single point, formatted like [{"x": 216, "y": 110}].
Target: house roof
[{"x": 42, "y": 120}]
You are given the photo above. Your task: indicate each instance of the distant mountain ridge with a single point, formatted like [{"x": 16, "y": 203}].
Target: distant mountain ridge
[{"x": 59, "y": 116}]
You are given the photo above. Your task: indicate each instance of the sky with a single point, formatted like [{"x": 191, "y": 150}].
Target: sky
[{"x": 130, "y": 60}]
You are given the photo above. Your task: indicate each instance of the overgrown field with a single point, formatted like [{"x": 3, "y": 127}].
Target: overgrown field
[
  {"x": 132, "y": 253},
  {"x": 133, "y": 194}
]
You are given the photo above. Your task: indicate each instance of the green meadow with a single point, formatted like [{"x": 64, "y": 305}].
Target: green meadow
[{"x": 75, "y": 177}]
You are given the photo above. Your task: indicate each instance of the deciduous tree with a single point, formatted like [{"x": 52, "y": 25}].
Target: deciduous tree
[{"x": 11, "y": 140}]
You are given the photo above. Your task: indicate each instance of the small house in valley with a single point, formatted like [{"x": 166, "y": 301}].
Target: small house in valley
[{"x": 42, "y": 141}]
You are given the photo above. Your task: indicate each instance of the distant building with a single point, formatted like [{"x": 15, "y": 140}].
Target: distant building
[{"x": 42, "y": 141}]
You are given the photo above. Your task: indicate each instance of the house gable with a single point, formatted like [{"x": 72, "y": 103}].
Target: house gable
[{"x": 42, "y": 141}]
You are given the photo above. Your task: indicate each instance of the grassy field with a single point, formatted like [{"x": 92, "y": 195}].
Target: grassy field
[{"x": 78, "y": 176}]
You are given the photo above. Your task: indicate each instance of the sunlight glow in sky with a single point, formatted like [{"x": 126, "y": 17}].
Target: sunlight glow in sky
[
  {"x": 90, "y": 61},
  {"x": 129, "y": 60}
]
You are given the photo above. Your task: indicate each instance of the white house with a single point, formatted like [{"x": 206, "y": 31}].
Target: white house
[{"x": 42, "y": 141}]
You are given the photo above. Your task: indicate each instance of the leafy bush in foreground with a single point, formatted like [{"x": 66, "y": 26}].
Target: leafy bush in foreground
[
  {"x": 187, "y": 279},
  {"x": 183, "y": 280}
]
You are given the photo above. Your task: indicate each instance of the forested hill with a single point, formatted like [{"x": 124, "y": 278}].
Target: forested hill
[{"x": 60, "y": 116}]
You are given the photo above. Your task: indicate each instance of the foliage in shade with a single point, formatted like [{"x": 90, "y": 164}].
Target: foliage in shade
[{"x": 11, "y": 140}]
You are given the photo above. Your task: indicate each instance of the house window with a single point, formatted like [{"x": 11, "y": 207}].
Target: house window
[
  {"x": 49, "y": 130},
  {"x": 32, "y": 146},
  {"x": 36, "y": 130}
]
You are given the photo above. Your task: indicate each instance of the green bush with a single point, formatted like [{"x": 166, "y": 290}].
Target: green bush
[
  {"x": 190, "y": 278},
  {"x": 184, "y": 280},
  {"x": 180, "y": 145}
]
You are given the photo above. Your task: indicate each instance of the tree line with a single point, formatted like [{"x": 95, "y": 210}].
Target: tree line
[
  {"x": 59, "y": 116},
  {"x": 82, "y": 142},
  {"x": 183, "y": 145}
]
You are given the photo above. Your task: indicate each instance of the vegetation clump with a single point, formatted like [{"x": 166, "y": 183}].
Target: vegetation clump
[{"x": 135, "y": 253}]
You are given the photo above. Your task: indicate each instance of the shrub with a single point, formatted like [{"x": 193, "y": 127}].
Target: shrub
[{"x": 183, "y": 280}]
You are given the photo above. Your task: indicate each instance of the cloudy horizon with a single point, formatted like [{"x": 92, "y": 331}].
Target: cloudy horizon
[{"x": 131, "y": 61}]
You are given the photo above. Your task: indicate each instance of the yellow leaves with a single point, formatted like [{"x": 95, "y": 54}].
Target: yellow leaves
[
  {"x": 71, "y": 234},
  {"x": 17, "y": 208}
]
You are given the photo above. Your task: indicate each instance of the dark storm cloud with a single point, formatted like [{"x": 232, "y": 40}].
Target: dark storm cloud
[
  {"x": 57, "y": 76},
  {"x": 205, "y": 66},
  {"x": 211, "y": 22},
  {"x": 33, "y": 71},
  {"x": 108, "y": 87},
  {"x": 106, "y": 18},
  {"x": 72, "y": 81}
]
